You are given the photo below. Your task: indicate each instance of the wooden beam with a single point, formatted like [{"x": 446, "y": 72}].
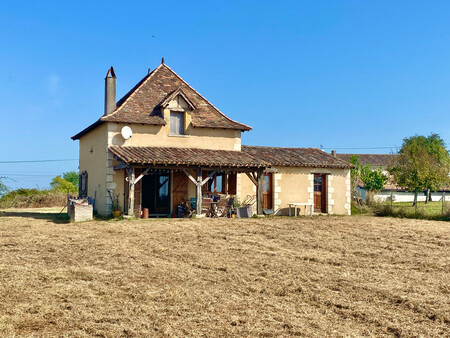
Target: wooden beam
[
  {"x": 130, "y": 172},
  {"x": 142, "y": 175},
  {"x": 198, "y": 207},
  {"x": 190, "y": 176},
  {"x": 255, "y": 182},
  {"x": 121, "y": 166},
  {"x": 181, "y": 167},
  {"x": 259, "y": 192},
  {"x": 208, "y": 178}
]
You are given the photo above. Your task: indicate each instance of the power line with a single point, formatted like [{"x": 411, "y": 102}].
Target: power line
[
  {"x": 30, "y": 175},
  {"x": 359, "y": 148},
  {"x": 41, "y": 161}
]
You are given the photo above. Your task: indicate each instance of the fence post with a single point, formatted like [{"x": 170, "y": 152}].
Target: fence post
[
  {"x": 443, "y": 201},
  {"x": 415, "y": 207}
]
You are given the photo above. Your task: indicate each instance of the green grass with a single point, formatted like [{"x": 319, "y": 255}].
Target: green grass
[{"x": 430, "y": 210}]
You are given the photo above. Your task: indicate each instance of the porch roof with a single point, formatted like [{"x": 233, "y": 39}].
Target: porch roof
[
  {"x": 186, "y": 156},
  {"x": 295, "y": 157}
]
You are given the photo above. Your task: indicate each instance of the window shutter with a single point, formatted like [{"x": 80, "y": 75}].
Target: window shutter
[
  {"x": 232, "y": 183},
  {"x": 82, "y": 184},
  {"x": 173, "y": 127},
  {"x": 180, "y": 123}
]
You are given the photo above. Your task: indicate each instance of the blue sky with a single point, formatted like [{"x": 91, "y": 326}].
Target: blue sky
[{"x": 336, "y": 74}]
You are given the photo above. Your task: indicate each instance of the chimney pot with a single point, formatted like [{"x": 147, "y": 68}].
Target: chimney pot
[{"x": 110, "y": 91}]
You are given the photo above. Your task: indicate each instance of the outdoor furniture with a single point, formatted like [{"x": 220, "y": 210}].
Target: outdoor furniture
[
  {"x": 295, "y": 205},
  {"x": 206, "y": 205},
  {"x": 213, "y": 209},
  {"x": 193, "y": 202},
  {"x": 230, "y": 207},
  {"x": 225, "y": 207}
]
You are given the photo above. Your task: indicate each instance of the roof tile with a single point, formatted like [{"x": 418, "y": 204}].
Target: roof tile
[
  {"x": 142, "y": 103},
  {"x": 295, "y": 157}
]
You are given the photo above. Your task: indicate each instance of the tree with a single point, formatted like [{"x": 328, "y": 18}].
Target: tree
[
  {"x": 3, "y": 188},
  {"x": 423, "y": 164},
  {"x": 72, "y": 177},
  {"x": 60, "y": 184},
  {"x": 372, "y": 179}
]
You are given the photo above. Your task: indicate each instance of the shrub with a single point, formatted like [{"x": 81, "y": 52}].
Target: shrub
[
  {"x": 33, "y": 198},
  {"x": 60, "y": 184},
  {"x": 386, "y": 210}
]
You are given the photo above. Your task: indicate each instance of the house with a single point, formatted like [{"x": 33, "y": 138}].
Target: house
[
  {"x": 391, "y": 189},
  {"x": 164, "y": 143}
]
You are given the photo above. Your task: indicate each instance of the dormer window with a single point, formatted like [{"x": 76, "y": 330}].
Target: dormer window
[{"x": 176, "y": 123}]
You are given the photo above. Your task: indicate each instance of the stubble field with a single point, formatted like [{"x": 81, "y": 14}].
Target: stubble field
[{"x": 321, "y": 276}]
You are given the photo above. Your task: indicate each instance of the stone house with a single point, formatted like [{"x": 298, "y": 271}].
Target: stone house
[{"x": 164, "y": 143}]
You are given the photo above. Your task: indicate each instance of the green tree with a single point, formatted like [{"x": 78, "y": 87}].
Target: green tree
[
  {"x": 3, "y": 188},
  {"x": 60, "y": 184},
  {"x": 423, "y": 164},
  {"x": 72, "y": 177},
  {"x": 373, "y": 179}
]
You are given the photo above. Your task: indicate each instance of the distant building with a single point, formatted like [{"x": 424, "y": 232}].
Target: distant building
[{"x": 391, "y": 190}]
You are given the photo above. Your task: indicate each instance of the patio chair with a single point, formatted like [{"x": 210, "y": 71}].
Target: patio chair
[{"x": 206, "y": 205}]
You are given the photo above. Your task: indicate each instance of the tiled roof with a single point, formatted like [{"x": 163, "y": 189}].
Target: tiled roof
[
  {"x": 142, "y": 103},
  {"x": 376, "y": 160},
  {"x": 185, "y": 156},
  {"x": 295, "y": 157}
]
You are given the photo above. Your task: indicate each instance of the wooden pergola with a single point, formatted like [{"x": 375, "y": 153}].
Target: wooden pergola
[{"x": 254, "y": 173}]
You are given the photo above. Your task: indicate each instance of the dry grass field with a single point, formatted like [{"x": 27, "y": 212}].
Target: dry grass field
[{"x": 322, "y": 276}]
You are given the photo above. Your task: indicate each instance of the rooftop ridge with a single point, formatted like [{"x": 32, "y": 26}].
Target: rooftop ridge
[{"x": 206, "y": 98}]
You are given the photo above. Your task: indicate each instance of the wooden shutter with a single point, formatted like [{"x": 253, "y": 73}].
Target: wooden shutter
[
  {"x": 82, "y": 184},
  {"x": 232, "y": 183}
]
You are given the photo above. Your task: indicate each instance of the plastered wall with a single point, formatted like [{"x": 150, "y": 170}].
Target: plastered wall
[
  {"x": 295, "y": 185},
  {"x": 158, "y": 136},
  {"x": 93, "y": 154}
]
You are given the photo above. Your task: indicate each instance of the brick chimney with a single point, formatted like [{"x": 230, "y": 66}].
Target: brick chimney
[
  {"x": 333, "y": 153},
  {"x": 110, "y": 91}
]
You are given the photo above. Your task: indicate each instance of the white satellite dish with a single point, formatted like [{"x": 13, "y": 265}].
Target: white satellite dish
[{"x": 126, "y": 132}]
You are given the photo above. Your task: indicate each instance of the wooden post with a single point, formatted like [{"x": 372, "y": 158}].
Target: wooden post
[
  {"x": 259, "y": 192},
  {"x": 198, "y": 207},
  {"x": 443, "y": 201},
  {"x": 130, "y": 172}
]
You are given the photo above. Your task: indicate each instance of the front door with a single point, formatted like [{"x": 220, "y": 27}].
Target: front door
[
  {"x": 179, "y": 188},
  {"x": 320, "y": 193},
  {"x": 267, "y": 191},
  {"x": 156, "y": 193}
]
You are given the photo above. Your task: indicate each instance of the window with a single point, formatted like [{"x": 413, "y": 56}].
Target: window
[
  {"x": 216, "y": 183},
  {"x": 176, "y": 123},
  {"x": 317, "y": 183},
  {"x": 82, "y": 184}
]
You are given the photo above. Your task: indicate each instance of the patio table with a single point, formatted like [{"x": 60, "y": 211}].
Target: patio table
[{"x": 295, "y": 205}]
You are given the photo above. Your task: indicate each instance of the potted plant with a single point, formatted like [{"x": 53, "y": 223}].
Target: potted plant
[{"x": 116, "y": 210}]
